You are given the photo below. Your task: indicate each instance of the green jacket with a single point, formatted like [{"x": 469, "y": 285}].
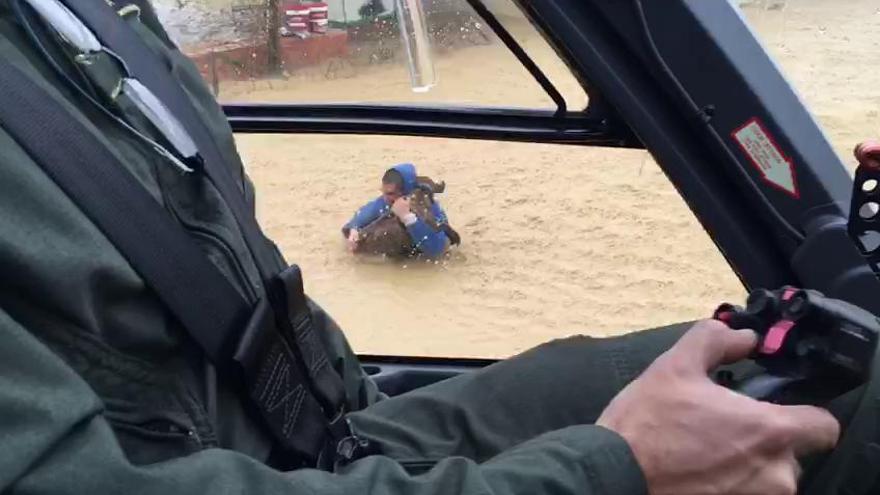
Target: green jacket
[{"x": 100, "y": 391}]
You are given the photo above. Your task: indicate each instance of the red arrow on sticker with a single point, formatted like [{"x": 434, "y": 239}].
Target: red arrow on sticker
[{"x": 766, "y": 156}]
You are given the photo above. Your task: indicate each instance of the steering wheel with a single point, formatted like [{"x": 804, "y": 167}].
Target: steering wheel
[{"x": 818, "y": 351}]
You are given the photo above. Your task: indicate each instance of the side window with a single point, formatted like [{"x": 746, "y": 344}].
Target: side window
[
  {"x": 555, "y": 240},
  {"x": 340, "y": 51}
]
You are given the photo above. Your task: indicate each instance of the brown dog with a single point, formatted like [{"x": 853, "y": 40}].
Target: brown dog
[{"x": 387, "y": 235}]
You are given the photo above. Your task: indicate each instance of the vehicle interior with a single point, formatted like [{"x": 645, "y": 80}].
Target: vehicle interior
[{"x": 680, "y": 153}]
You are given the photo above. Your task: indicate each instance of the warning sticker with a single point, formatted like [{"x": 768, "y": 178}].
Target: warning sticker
[{"x": 759, "y": 146}]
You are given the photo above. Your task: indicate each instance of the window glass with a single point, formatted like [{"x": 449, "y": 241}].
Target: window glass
[
  {"x": 826, "y": 49},
  {"x": 556, "y": 240},
  {"x": 351, "y": 51}
]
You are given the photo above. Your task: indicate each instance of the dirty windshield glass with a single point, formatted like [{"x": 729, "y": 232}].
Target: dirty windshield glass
[
  {"x": 291, "y": 51},
  {"x": 555, "y": 240}
]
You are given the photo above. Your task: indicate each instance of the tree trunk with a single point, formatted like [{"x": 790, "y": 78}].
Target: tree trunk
[{"x": 273, "y": 37}]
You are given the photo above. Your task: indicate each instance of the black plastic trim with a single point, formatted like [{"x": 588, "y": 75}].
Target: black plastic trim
[
  {"x": 467, "y": 123},
  {"x": 520, "y": 54}
]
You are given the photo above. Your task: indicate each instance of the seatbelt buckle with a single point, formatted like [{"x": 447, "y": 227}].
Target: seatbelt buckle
[
  {"x": 345, "y": 446},
  {"x": 351, "y": 447}
]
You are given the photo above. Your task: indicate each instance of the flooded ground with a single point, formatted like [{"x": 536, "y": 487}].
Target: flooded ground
[{"x": 556, "y": 240}]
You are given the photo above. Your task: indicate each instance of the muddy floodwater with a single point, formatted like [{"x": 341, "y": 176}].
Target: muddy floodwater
[{"x": 556, "y": 240}]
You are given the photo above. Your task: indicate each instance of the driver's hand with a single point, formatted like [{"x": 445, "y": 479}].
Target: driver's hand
[
  {"x": 352, "y": 240},
  {"x": 868, "y": 153},
  {"x": 693, "y": 437}
]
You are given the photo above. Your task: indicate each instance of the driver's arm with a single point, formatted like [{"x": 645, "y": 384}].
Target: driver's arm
[
  {"x": 56, "y": 440},
  {"x": 672, "y": 427}
]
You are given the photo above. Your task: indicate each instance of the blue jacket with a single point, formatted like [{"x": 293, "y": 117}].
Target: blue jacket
[{"x": 424, "y": 238}]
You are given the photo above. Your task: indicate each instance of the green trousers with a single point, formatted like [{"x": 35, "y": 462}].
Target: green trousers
[{"x": 515, "y": 408}]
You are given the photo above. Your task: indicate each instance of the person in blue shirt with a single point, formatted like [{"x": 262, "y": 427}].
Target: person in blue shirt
[{"x": 426, "y": 236}]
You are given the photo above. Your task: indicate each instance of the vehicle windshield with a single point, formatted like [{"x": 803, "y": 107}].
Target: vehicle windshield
[
  {"x": 358, "y": 55},
  {"x": 556, "y": 239}
]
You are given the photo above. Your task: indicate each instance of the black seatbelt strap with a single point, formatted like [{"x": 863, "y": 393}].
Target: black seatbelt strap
[
  {"x": 283, "y": 364},
  {"x": 95, "y": 179},
  {"x": 155, "y": 73}
]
